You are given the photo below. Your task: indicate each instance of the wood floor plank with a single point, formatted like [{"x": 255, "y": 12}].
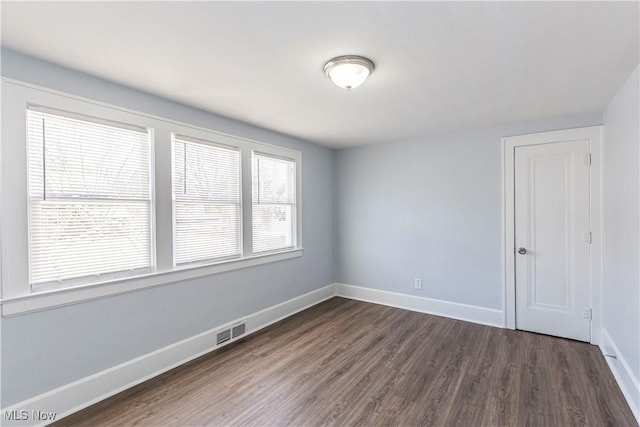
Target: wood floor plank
[{"x": 350, "y": 363}]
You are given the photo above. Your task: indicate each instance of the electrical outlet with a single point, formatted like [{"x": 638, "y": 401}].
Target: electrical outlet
[{"x": 417, "y": 283}]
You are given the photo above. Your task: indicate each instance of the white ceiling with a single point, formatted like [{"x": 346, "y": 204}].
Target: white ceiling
[{"x": 440, "y": 66}]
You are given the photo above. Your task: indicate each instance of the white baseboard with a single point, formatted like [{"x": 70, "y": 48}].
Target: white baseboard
[
  {"x": 627, "y": 382},
  {"x": 75, "y": 396},
  {"x": 469, "y": 313},
  {"x": 78, "y": 395}
]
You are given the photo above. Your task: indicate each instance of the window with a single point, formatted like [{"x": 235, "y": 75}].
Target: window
[
  {"x": 125, "y": 200},
  {"x": 206, "y": 197},
  {"x": 89, "y": 198},
  {"x": 274, "y": 203}
]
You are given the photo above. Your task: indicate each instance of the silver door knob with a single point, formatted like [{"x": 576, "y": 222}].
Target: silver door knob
[{"x": 522, "y": 251}]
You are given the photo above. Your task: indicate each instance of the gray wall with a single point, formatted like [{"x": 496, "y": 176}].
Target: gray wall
[
  {"x": 621, "y": 266},
  {"x": 44, "y": 350},
  {"x": 429, "y": 208}
]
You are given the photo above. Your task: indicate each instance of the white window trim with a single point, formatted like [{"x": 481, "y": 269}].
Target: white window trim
[
  {"x": 118, "y": 274},
  {"x": 296, "y": 219},
  {"x": 17, "y": 297},
  {"x": 186, "y": 139}
]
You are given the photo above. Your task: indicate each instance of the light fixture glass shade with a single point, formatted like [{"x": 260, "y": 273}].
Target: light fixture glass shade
[{"x": 348, "y": 71}]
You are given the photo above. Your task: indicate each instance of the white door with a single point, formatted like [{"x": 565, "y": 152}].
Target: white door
[{"x": 552, "y": 238}]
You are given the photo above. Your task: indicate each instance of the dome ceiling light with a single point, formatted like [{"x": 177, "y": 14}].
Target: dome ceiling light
[{"x": 348, "y": 71}]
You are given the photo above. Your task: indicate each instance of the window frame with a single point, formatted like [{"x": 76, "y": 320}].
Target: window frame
[
  {"x": 294, "y": 229},
  {"x": 188, "y": 140},
  {"x": 120, "y": 274},
  {"x": 17, "y": 296}
]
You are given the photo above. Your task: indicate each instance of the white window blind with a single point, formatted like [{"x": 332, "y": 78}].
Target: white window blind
[
  {"x": 206, "y": 194},
  {"x": 274, "y": 203},
  {"x": 89, "y": 198}
]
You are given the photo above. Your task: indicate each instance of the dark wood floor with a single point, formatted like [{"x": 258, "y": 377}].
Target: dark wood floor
[{"x": 347, "y": 363}]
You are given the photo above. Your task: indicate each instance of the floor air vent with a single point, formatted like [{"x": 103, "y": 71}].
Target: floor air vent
[
  {"x": 228, "y": 334},
  {"x": 223, "y": 336},
  {"x": 237, "y": 330}
]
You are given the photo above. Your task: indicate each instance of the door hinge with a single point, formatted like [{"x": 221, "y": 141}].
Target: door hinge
[
  {"x": 587, "y": 313},
  {"x": 586, "y": 237},
  {"x": 586, "y": 159}
]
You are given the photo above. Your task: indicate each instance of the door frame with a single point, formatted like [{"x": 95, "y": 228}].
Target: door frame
[{"x": 595, "y": 135}]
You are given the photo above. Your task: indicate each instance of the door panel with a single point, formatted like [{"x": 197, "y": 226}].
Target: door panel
[{"x": 552, "y": 225}]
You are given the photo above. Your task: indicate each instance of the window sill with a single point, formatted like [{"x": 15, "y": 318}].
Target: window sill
[{"x": 44, "y": 300}]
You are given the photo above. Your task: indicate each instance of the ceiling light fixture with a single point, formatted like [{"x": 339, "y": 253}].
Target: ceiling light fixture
[{"x": 348, "y": 71}]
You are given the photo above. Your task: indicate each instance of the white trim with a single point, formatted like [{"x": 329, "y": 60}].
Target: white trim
[
  {"x": 80, "y": 394},
  {"x": 505, "y": 238},
  {"x": 75, "y": 396},
  {"x": 17, "y": 297},
  {"x": 596, "y": 217},
  {"x": 628, "y": 383},
  {"x": 143, "y": 114},
  {"x": 594, "y": 134},
  {"x": 66, "y": 296},
  {"x": 453, "y": 310}
]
